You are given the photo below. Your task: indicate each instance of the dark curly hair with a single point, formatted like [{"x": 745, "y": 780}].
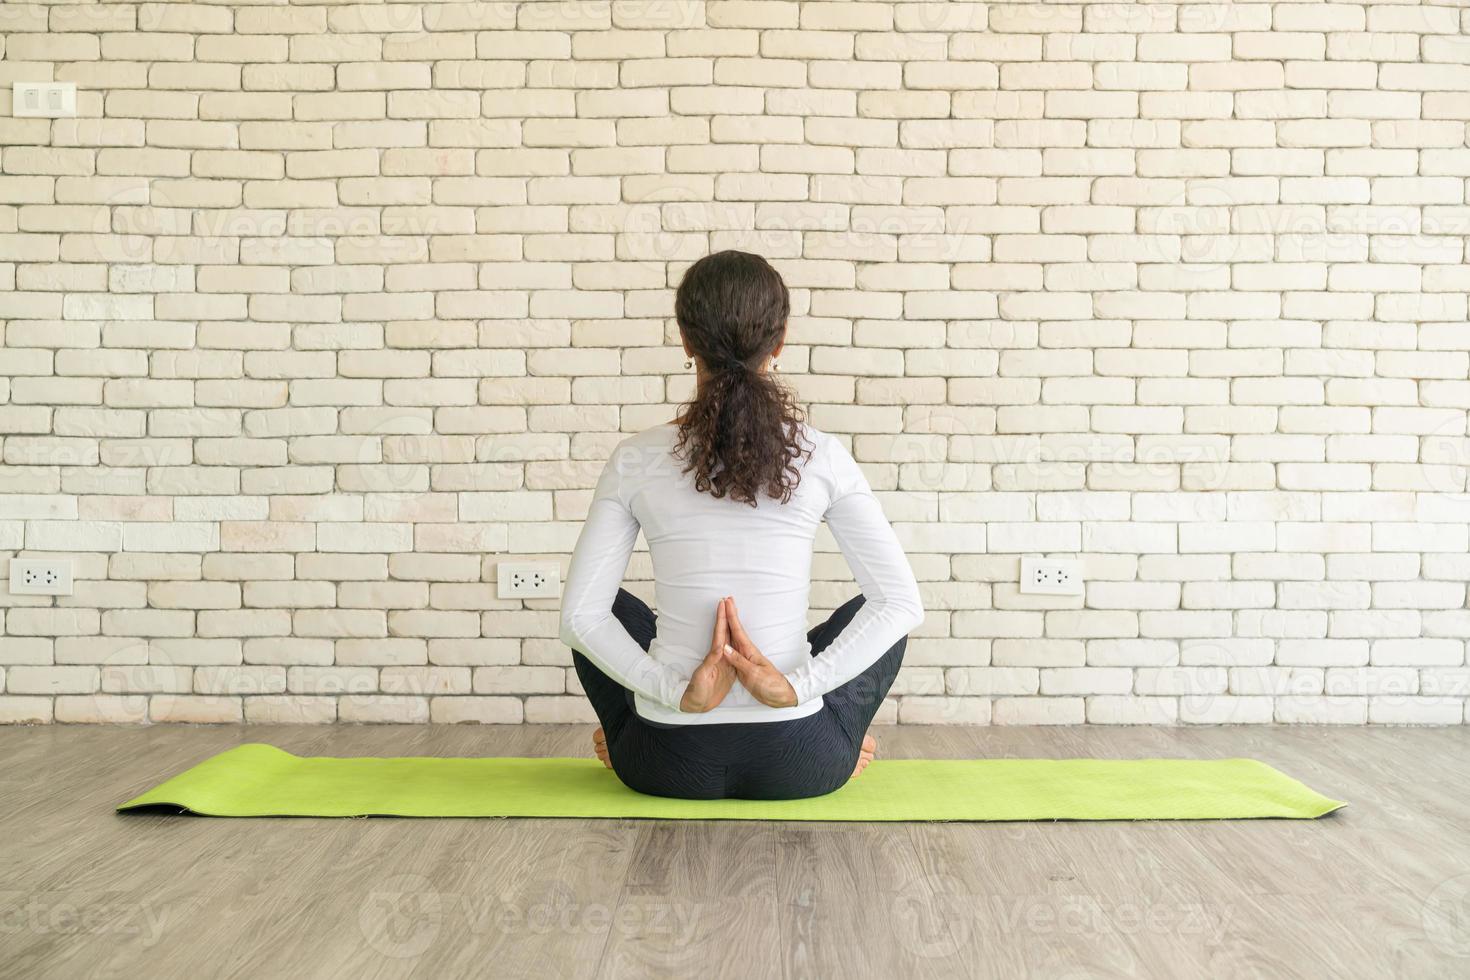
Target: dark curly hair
[{"x": 740, "y": 436}]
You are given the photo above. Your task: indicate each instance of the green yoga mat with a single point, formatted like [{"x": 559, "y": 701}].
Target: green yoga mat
[{"x": 262, "y": 781}]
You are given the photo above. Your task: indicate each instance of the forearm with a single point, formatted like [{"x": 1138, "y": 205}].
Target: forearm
[
  {"x": 877, "y": 626},
  {"x": 604, "y": 641},
  {"x": 891, "y": 608}
]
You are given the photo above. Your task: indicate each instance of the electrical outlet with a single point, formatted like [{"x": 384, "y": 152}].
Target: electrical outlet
[
  {"x": 46, "y": 100},
  {"x": 1051, "y": 576},
  {"x": 528, "y": 580},
  {"x": 36, "y": 576}
]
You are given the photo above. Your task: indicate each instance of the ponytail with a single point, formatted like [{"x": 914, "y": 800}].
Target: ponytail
[{"x": 740, "y": 436}]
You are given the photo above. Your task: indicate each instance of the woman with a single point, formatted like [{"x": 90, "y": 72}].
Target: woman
[{"x": 725, "y": 694}]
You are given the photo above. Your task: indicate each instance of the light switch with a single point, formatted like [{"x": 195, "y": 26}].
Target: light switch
[{"x": 47, "y": 100}]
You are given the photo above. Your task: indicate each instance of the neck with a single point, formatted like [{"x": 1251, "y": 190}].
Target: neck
[
  {"x": 702, "y": 378},
  {"x": 702, "y": 375}
]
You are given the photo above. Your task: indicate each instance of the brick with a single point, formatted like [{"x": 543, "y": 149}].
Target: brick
[{"x": 372, "y": 291}]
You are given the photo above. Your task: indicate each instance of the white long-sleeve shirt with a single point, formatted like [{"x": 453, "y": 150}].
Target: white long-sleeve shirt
[{"x": 704, "y": 548}]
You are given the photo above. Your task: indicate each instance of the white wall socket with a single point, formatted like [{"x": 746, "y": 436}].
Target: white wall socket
[
  {"x": 37, "y": 576},
  {"x": 1051, "y": 576},
  {"x": 48, "y": 100},
  {"x": 528, "y": 580}
]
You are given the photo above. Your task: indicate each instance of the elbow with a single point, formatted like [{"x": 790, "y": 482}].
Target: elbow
[
  {"x": 910, "y": 609},
  {"x": 916, "y": 617},
  {"x": 570, "y": 633}
]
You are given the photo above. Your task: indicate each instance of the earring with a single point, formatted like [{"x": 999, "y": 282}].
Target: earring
[
  {"x": 775, "y": 365},
  {"x": 688, "y": 363}
]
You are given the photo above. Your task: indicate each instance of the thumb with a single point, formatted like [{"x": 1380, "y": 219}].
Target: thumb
[{"x": 741, "y": 663}]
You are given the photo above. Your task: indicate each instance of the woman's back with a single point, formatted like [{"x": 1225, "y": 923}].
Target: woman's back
[{"x": 705, "y": 547}]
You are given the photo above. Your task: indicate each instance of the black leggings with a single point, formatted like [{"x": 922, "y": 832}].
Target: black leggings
[{"x": 769, "y": 760}]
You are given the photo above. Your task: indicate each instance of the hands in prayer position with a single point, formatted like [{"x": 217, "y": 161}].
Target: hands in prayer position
[
  {"x": 758, "y": 675},
  {"x": 714, "y": 677},
  {"x": 732, "y": 656}
]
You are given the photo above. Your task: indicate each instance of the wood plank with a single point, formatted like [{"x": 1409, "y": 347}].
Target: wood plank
[{"x": 95, "y": 893}]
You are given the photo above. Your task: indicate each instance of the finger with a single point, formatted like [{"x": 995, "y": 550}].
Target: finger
[
  {"x": 742, "y": 664},
  {"x": 748, "y": 657},
  {"x": 720, "y": 635},
  {"x": 738, "y": 636},
  {"x": 742, "y": 672},
  {"x": 722, "y": 626}
]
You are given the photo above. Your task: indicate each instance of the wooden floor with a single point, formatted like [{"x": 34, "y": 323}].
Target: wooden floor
[{"x": 1379, "y": 889}]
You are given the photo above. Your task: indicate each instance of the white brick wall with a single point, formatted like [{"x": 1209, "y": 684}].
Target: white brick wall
[{"x": 319, "y": 310}]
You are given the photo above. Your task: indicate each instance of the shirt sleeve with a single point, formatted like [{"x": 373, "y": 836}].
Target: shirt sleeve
[
  {"x": 891, "y": 607},
  {"x": 596, "y": 571}
]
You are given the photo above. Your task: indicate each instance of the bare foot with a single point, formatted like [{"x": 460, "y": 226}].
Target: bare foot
[
  {"x": 599, "y": 746},
  {"x": 869, "y": 750}
]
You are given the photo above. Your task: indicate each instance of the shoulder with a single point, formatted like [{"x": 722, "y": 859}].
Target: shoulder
[
  {"x": 659, "y": 436},
  {"x": 833, "y": 464},
  {"x": 825, "y": 448},
  {"x": 815, "y": 441},
  {"x": 828, "y": 459},
  {"x": 640, "y": 455}
]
